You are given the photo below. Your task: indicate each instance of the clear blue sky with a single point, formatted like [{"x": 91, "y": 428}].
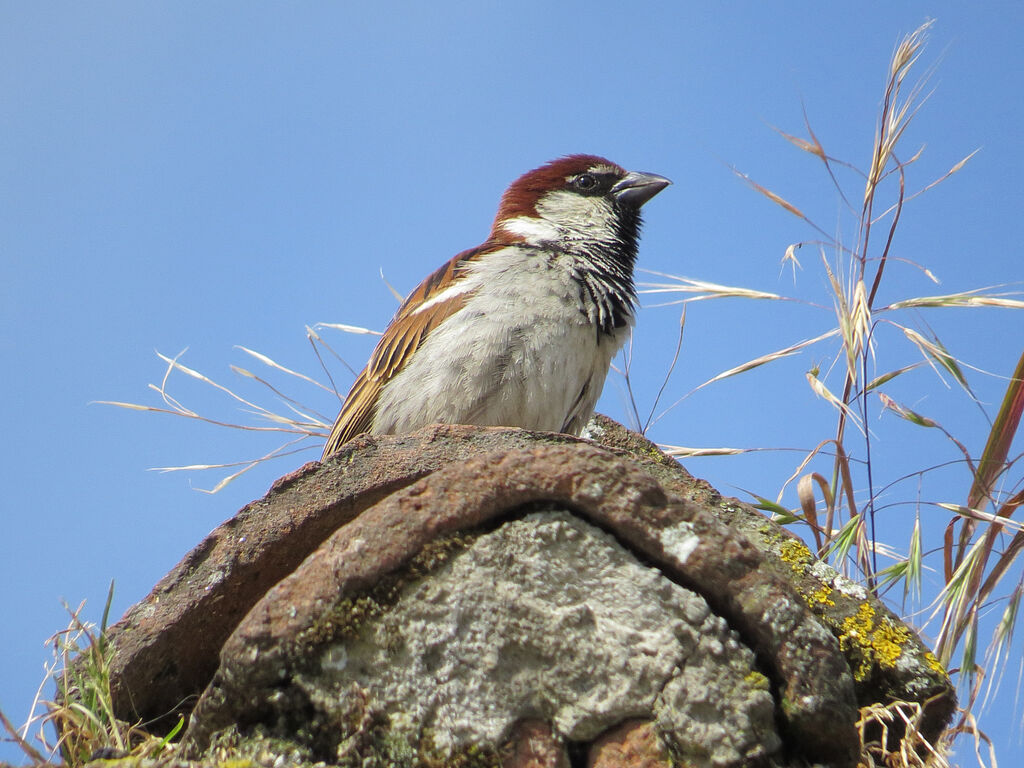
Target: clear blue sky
[{"x": 207, "y": 175}]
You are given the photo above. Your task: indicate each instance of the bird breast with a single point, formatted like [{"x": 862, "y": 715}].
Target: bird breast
[{"x": 525, "y": 350}]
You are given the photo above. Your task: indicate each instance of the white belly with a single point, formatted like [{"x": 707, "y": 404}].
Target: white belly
[{"x": 518, "y": 354}]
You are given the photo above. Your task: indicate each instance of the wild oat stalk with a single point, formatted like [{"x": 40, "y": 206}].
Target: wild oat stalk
[
  {"x": 841, "y": 508},
  {"x": 286, "y": 416}
]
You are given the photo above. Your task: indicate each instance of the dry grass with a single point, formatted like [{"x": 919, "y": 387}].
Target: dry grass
[
  {"x": 912, "y": 749},
  {"x": 82, "y": 718},
  {"x": 301, "y": 425}
]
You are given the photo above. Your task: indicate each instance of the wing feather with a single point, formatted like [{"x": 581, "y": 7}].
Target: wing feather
[{"x": 423, "y": 310}]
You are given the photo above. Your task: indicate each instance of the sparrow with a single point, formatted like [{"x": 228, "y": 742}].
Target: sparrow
[{"x": 521, "y": 330}]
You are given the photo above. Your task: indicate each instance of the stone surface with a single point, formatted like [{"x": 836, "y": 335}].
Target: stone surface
[
  {"x": 167, "y": 646},
  {"x": 888, "y": 661},
  {"x": 634, "y": 744},
  {"x": 341, "y": 541},
  {"x": 549, "y": 614},
  {"x": 533, "y": 745},
  {"x": 692, "y": 549}
]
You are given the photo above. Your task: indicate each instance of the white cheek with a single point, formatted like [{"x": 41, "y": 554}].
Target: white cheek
[{"x": 587, "y": 217}]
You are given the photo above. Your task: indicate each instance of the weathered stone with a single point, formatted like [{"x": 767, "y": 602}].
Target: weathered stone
[
  {"x": 548, "y": 614},
  {"x": 387, "y": 516},
  {"x": 634, "y": 744},
  {"x": 888, "y": 660},
  {"x": 690, "y": 548},
  {"x": 533, "y": 745},
  {"x": 167, "y": 646}
]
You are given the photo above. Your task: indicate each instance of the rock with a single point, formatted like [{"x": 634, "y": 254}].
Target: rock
[
  {"x": 286, "y": 627},
  {"x": 634, "y": 744},
  {"x": 545, "y": 614},
  {"x": 167, "y": 646},
  {"x": 516, "y": 598},
  {"x": 533, "y": 745}
]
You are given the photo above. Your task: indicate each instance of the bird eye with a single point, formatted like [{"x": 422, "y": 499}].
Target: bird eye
[{"x": 585, "y": 182}]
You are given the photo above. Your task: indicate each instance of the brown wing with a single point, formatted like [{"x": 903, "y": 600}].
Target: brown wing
[{"x": 402, "y": 338}]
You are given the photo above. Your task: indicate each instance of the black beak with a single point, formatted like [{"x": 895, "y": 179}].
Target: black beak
[{"x": 635, "y": 189}]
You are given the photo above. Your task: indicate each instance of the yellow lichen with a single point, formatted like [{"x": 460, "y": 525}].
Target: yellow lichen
[
  {"x": 869, "y": 645},
  {"x": 757, "y": 681},
  {"x": 860, "y": 624},
  {"x": 888, "y": 642},
  {"x": 934, "y": 664},
  {"x": 796, "y": 554},
  {"x": 822, "y": 596}
]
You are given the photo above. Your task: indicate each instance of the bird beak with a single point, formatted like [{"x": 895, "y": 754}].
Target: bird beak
[{"x": 637, "y": 188}]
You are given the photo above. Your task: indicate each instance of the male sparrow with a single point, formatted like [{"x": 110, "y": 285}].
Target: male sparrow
[{"x": 521, "y": 330}]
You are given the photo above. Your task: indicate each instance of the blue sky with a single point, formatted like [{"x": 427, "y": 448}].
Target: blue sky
[{"x": 205, "y": 175}]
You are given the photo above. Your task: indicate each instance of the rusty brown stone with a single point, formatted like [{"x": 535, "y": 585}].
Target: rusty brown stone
[
  {"x": 533, "y": 745},
  {"x": 167, "y": 644},
  {"x": 634, "y": 744}
]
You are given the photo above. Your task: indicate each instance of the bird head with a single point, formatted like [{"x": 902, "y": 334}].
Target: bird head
[{"x": 579, "y": 202}]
